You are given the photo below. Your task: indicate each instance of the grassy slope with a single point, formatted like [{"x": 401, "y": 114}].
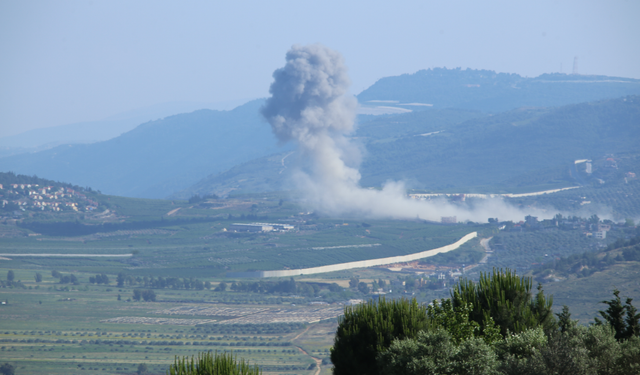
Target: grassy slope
[{"x": 583, "y": 295}]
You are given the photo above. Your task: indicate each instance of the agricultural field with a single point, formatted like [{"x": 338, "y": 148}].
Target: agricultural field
[
  {"x": 49, "y": 329},
  {"x": 143, "y": 281},
  {"x": 71, "y": 305}
]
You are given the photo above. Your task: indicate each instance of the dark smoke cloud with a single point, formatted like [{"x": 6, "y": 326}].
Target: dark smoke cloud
[
  {"x": 308, "y": 106},
  {"x": 308, "y": 95}
]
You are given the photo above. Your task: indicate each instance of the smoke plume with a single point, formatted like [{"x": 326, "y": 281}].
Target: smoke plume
[{"x": 308, "y": 106}]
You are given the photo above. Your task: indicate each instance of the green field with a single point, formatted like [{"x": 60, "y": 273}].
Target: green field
[{"x": 184, "y": 252}]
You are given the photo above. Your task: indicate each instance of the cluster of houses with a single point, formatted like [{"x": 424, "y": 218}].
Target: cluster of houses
[
  {"x": 590, "y": 228},
  {"x": 35, "y": 197}
]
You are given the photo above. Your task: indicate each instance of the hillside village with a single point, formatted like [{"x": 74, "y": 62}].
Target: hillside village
[{"x": 33, "y": 197}]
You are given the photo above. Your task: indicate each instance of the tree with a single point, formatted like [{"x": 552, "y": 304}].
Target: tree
[
  {"x": 199, "y": 285},
  {"x": 7, "y": 369},
  {"x": 368, "y": 329},
  {"x": 454, "y": 320},
  {"x": 434, "y": 352},
  {"x": 614, "y": 315},
  {"x": 10, "y": 275},
  {"x": 137, "y": 295},
  {"x": 221, "y": 287},
  {"x": 120, "y": 279},
  {"x": 507, "y": 299},
  {"x": 55, "y": 274},
  {"x": 565, "y": 323},
  {"x": 38, "y": 277},
  {"x": 353, "y": 283},
  {"x": 363, "y": 288},
  {"x": 142, "y": 369},
  {"x": 149, "y": 295},
  {"x": 212, "y": 363}
]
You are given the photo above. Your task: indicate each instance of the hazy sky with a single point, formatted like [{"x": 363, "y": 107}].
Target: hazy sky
[{"x": 72, "y": 61}]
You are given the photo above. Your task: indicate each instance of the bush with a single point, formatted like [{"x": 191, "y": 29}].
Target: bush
[
  {"x": 435, "y": 353},
  {"x": 212, "y": 364}
]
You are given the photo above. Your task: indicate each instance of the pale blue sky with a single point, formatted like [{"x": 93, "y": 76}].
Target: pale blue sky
[{"x": 71, "y": 61}]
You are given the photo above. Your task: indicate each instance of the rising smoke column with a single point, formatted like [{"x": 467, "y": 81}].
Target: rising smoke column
[{"x": 308, "y": 106}]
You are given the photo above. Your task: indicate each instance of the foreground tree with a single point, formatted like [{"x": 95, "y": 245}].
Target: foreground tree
[
  {"x": 368, "y": 329},
  {"x": 436, "y": 353},
  {"x": 624, "y": 319},
  {"x": 212, "y": 364},
  {"x": 507, "y": 299}
]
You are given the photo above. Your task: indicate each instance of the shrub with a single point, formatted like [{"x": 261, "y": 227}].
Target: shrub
[{"x": 212, "y": 364}]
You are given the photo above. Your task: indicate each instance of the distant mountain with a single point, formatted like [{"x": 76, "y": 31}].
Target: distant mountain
[
  {"x": 466, "y": 150},
  {"x": 95, "y": 131},
  {"x": 492, "y": 92},
  {"x": 159, "y": 157}
]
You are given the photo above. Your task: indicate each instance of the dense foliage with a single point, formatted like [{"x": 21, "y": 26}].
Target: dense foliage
[
  {"x": 624, "y": 319},
  {"x": 507, "y": 299},
  {"x": 368, "y": 329},
  {"x": 493, "y": 327},
  {"x": 212, "y": 364}
]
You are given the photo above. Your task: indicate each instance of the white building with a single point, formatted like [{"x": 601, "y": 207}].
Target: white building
[{"x": 253, "y": 227}]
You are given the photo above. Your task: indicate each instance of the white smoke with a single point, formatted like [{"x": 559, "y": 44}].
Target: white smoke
[{"x": 308, "y": 106}]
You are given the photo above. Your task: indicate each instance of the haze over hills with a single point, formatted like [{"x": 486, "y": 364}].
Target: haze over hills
[
  {"x": 488, "y": 91},
  {"x": 467, "y": 147},
  {"x": 466, "y": 150},
  {"x": 156, "y": 158},
  {"x": 95, "y": 131}
]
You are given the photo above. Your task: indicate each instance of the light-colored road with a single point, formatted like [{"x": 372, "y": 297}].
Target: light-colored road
[
  {"x": 487, "y": 249},
  {"x": 318, "y": 361},
  {"x": 173, "y": 211}
]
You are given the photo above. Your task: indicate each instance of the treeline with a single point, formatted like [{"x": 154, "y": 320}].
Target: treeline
[
  {"x": 246, "y": 329},
  {"x": 283, "y": 287},
  {"x": 65, "y": 279},
  {"x": 161, "y": 282},
  {"x": 75, "y": 228},
  {"x": 494, "y": 326}
]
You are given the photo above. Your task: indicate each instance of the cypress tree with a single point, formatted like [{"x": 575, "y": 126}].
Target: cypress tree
[
  {"x": 507, "y": 299},
  {"x": 367, "y": 329}
]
